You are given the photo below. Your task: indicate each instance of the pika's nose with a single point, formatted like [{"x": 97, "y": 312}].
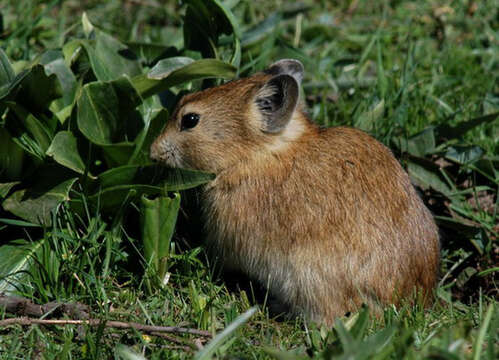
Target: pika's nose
[{"x": 155, "y": 151}]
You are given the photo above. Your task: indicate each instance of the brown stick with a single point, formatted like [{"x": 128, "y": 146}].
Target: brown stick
[
  {"x": 107, "y": 323},
  {"x": 25, "y": 307}
]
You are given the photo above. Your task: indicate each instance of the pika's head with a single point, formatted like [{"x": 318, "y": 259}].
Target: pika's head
[{"x": 212, "y": 129}]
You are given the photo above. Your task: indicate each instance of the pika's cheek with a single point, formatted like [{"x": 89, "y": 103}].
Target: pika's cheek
[{"x": 166, "y": 152}]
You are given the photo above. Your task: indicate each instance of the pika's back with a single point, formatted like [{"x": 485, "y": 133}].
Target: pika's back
[{"x": 337, "y": 216}]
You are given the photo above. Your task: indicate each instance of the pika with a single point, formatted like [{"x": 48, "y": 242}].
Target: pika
[{"x": 326, "y": 219}]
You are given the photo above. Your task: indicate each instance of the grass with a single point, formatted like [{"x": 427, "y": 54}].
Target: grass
[{"x": 393, "y": 68}]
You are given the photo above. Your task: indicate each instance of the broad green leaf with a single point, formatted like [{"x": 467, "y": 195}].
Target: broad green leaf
[
  {"x": 200, "y": 69},
  {"x": 28, "y": 89},
  {"x": 109, "y": 58},
  {"x": 420, "y": 144},
  {"x": 207, "y": 352},
  {"x": 21, "y": 66},
  {"x": 64, "y": 150},
  {"x": 6, "y": 71},
  {"x": 204, "y": 22},
  {"x": 122, "y": 175},
  {"x": 54, "y": 64},
  {"x": 183, "y": 179},
  {"x": 427, "y": 175},
  {"x": 151, "y": 131},
  {"x": 20, "y": 121},
  {"x": 457, "y": 225},
  {"x": 367, "y": 120},
  {"x": 7, "y": 75},
  {"x": 154, "y": 117},
  {"x": 62, "y": 114},
  {"x": 118, "y": 154},
  {"x": 5, "y": 188},
  {"x": 150, "y": 53},
  {"x": 37, "y": 207},
  {"x": 464, "y": 154},
  {"x": 111, "y": 198},
  {"x": 158, "y": 218},
  {"x": 151, "y": 107},
  {"x": 71, "y": 51},
  {"x": 9, "y": 89},
  {"x": 172, "y": 179},
  {"x": 454, "y": 132},
  {"x": 106, "y": 112},
  {"x": 488, "y": 167},
  {"x": 166, "y": 66},
  {"x": 115, "y": 186},
  {"x": 11, "y": 157},
  {"x": 229, "y": 16},
  {"x": 88, "y": 28},
  {"x": 15, "y": 258}
]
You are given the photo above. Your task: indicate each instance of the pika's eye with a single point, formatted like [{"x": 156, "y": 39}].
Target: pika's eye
[{"x": 189, "y": 121}]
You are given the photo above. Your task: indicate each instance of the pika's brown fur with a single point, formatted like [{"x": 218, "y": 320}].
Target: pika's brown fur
[{"x": 326, "y": 218}]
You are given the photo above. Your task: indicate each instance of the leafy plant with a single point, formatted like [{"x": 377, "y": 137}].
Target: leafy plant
[{"x": 77, "y": 127}]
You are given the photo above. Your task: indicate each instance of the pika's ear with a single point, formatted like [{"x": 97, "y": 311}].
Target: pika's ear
[
  {"x": 290, "y": 67},
  {"x": 276, "y": 101}
]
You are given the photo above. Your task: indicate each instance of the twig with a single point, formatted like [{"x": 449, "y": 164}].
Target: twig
[
  {"x": 107, "y": 323},
  {"x": 25, "y": 307}
]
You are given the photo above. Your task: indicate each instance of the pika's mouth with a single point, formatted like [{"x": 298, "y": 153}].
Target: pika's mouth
[{"x": 167, "y": 154}]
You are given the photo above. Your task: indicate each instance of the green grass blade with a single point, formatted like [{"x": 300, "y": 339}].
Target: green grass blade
[
  {"x": 125, "y": 353},
  {"x": 213, "y": 345},
  {"x": 480, "y": 340},
  {"x": 15, "y": 257}
]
